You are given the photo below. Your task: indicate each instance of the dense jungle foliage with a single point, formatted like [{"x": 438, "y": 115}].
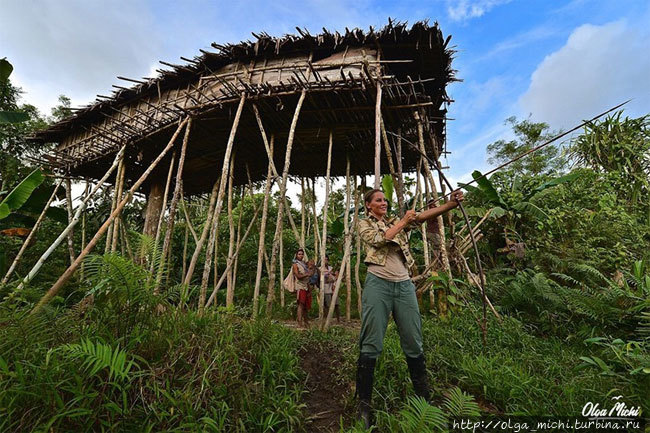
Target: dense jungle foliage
[{"x": 565, "y": 237}]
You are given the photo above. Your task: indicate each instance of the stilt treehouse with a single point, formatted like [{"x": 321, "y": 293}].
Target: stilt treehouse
[{"x": 367, "y": 89}]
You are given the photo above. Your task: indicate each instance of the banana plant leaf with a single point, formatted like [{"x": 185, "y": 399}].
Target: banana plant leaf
[
  {"x": 388, "y": 187},
  {"x": 553, "y": 182},
  {"x": 21, "y": 193},
  {"x": 488, "y": 190},
  {"x": 13, "y": 117}
]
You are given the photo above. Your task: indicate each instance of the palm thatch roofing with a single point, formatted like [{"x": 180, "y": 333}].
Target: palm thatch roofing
[{"x": 339, "y": 73}]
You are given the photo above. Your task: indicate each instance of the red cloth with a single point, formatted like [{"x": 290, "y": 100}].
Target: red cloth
[{"x": 304, "y": 298}]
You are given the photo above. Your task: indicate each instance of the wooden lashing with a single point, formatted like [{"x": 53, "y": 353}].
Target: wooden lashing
[
  {"x": 31, "y": 235},
  {"x": 222, "y": 190},
  {"x": 346, "y": 254},
  {"x": 323, "y": 245},
  {"x": 82, "y": 206},
  {"x": 102, "y": 230},
  {"x": 172, "y": 206},
  {"x": 283, "y": 191},
  {"x": 260, "y": 245}
]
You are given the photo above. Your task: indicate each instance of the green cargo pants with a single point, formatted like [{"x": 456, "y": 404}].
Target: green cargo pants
[{"x": 380, "y": 298}]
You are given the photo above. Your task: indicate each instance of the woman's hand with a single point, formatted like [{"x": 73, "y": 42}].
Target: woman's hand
[
  {"x": 457, "y": 196},
  {"x": 408, "y": 217}
]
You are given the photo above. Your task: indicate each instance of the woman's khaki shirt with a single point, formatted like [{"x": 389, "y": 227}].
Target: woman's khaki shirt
[{"x": 373, "y": 234}]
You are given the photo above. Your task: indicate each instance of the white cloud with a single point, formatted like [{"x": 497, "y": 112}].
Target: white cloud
[
  {"x": 460, "y": 10},
  {"x": 597, "y": 68},
  {"x": 75, "y": 48}
]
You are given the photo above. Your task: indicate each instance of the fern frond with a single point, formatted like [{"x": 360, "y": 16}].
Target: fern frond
[
  {"x": 419, "y": 416},
  {"x": 459, "y": 404},
  {"x": 97, "y": 356}
]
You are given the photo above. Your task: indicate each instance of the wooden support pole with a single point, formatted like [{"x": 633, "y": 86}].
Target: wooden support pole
[
  {"x": 187, "y": 238},
  {"x": 109, "y": 233},
  {"x": 68, "y": 205},
  {"x": 282, "y": 301},
  {"x": 302, "y": 211},
  {"x": 283, "y": 192},
  {"x": 378, "y": 137},
  {"x": 315, "y": 221},
  {"x": 39, "y": 263},
  {"x": 346, "y": 230},
  {"x": 323, "y": 245},
  {"x": 260, "y": 247},
  {"x": 161, "y": 218},
  {"x": 355, "y": 225},
  {"x": 31, "y": 235},
  {"x": 70, "y": 271},
  {"x": 400, "y": 177},
  {"x": 239, "y": 219},
  {"x": 172, "y": 206},
  {"x": 119, "y": 189},
  {"x": 344, "y": 262},
  {"x": 230, "y": 287},
  {"x": 222, "y": 190},
  {"x": 397, "y": 180},
  {"x": 204, "y": 233},
  {"x": 230, "y": 263},
  {"x": 83, "y": 229}
]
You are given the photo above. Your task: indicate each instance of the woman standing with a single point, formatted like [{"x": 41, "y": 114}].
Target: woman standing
[
  {"x": 302, "y": 272},
  {"x": 388, "y": 289}
]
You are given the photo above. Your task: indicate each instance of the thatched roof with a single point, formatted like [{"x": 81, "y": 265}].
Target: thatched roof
[{"x": 338, "y": 71}]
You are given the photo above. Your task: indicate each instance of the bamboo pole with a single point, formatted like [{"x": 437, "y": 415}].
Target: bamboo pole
[
  {"x": 204, "y": 234},
  {"x": 283, "y": 191},
  {"x": 119, "y": 190},
  {"x": 161, "y": 218},
  {"x": 31, "y": 235},
  {"x": 260, "y": 247},
  {"x": 230, "y": 288},
  {"x": 187, "y": 220},
  {"x": 378, "y": 137},
  {"x": 355, "y": 225},
  {"x": 68, "y": 205},
  {"x": 222, "y": 189},
  {"x": 425, "y": 238},
  {"x": 346, "y": 230},
  {"x": 323, "y": 245},
  {"x": 70, "y": 271},
  {"x": 344, "y": 262},
  {"x": 39, "y": 263},
  {"x": 172, "y": 206}
]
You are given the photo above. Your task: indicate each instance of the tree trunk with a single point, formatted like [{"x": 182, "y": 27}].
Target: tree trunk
[{"x": 346, "y": 230}]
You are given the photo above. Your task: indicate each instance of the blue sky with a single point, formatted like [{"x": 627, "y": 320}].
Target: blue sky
[{"x": 560, "y": 62}]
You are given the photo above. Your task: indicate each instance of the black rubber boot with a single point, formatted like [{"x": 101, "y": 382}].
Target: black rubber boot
[
  {"x": 365, "y": 378},
  {"x": 418, "y": 372}
]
